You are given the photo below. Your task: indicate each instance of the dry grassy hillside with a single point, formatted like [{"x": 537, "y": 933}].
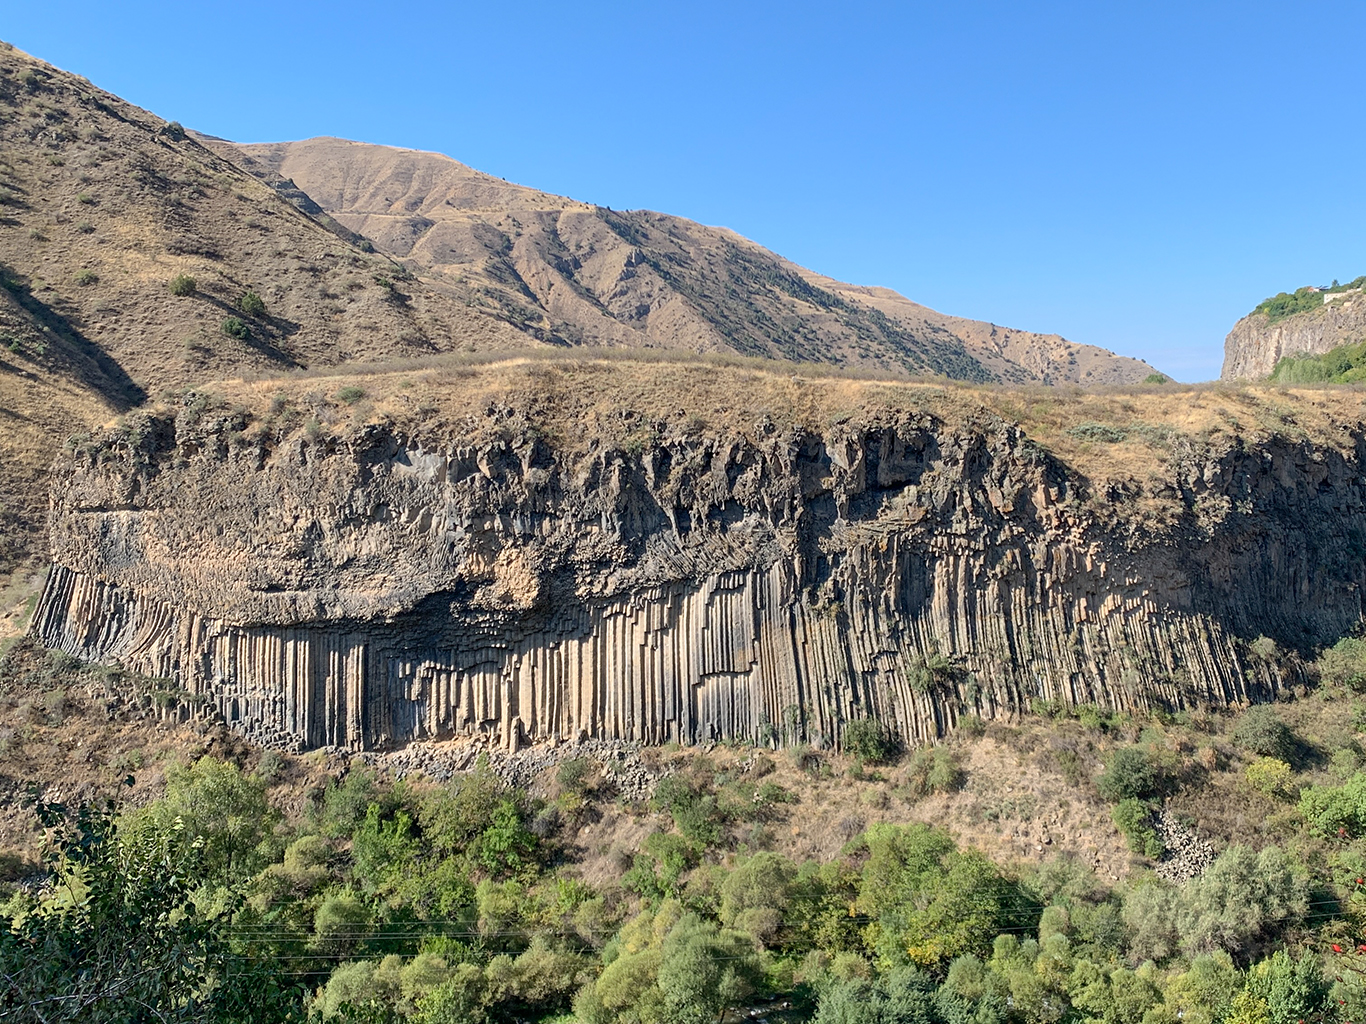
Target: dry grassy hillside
[
  {"x": 107, "y": 204},
  {"x": 1014, "y": 355},
  {"x": 102, "y": 205},
  {"x": 52, "y": 384},
  {"x": 584, "y": 274},
  {"x": 582, "y": 401}
]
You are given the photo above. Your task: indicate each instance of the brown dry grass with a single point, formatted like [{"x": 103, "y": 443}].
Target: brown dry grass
[
  {"x": 576, "y": 277},
  {"x": 580, "y": 400}
]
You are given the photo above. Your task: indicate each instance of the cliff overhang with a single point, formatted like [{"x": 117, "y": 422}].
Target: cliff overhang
[{"x": 377, "y": 583}]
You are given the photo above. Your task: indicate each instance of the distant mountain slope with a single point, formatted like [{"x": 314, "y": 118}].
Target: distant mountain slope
[
  {"x": 106, "y": 203},
  {"x": 1309, "y": 321},
  {"x": 1046, "y": 358},
  {"x": 101, "y": 206},
  {"x": 573, "y": 272}
]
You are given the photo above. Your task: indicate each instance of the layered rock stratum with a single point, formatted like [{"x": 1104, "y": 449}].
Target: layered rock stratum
[{"x": 551, "y": 550}]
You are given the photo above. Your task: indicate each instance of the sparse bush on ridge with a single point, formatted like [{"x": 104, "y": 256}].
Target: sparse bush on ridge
[
  {"x": 1103, "y": 432},
  {"x": 233, "y": 327},
  {"x": 182, "y": 285},
  {"x": 252, "y": 304}
]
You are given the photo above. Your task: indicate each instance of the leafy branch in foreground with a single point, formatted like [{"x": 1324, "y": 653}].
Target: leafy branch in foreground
[{"x": 113, "y": 933}]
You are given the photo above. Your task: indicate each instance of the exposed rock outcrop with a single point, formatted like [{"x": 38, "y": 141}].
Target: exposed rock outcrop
[
  {"x": 1257, "y": 343},
  {"x": 1185, "y": 855},
  {"x": 378, "y": 587}
]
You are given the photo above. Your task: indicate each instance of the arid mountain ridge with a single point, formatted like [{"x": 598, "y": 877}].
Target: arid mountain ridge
[
  {"x": 103, "y": 204},
  {"x": 572, "y": 273}
]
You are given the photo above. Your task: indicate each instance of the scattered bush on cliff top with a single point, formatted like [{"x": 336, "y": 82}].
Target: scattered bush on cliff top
[
  {"x": 1303, "y": 300},
  {"x": 1284, "y": 304},
  {"x": 251, "y": 304},
  {"x": 182, "y": 285}
]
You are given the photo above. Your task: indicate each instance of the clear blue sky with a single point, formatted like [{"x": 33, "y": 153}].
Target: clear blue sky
[{"x": 1133, "y": 175}]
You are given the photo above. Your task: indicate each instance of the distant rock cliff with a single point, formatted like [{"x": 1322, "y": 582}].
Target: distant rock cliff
[
  {"x": 1257, "y": 342},
  {"x": 373, "y": 586}
]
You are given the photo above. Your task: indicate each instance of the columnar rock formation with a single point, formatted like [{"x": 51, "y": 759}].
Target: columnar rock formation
[
  {"x": 372, "y": 588},
  {"x": 1257, "y": 343}
]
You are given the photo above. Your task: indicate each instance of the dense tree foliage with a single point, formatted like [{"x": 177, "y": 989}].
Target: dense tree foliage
[
  {"x": 117, "y": 936},
  {"x": 458, "y": 904}
]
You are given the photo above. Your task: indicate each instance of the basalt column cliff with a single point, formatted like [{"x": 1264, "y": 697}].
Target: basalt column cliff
[{"x": 367, "y": 586}]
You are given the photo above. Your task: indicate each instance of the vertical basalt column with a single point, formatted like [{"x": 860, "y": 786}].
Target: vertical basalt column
[{"x": 741, "y": 655}]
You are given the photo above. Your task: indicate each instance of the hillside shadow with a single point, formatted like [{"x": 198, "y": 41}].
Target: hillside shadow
[
  {"x": 87, "y": 363},
  {"x": 256, "y": 340}
]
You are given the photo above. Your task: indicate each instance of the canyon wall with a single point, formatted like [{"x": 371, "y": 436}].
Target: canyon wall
[
  {"x": 374, "y": 587},
  {"x": 1257, "y": 343}
]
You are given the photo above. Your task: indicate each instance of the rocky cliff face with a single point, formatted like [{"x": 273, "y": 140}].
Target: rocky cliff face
[
  {"x": 371, "y": 586},
  {"x": 1256, "y": 343}
]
